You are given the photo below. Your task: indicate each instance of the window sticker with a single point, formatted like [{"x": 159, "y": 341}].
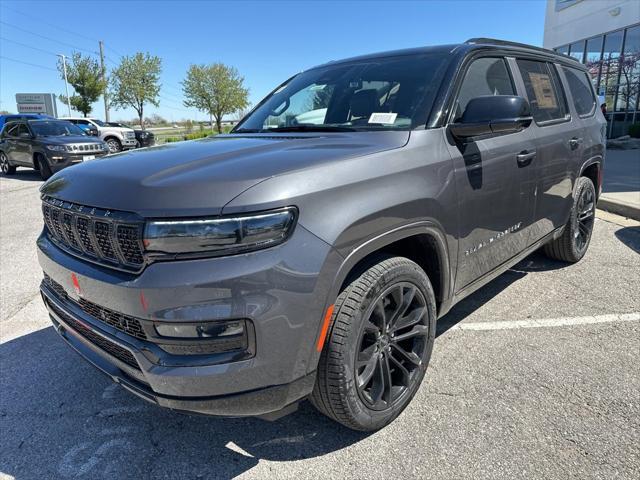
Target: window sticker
[
  {"x": 543, "y": 90},
  {"x": 384, "y": 118}
]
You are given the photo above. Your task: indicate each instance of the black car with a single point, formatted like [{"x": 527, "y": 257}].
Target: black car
[
  {"x": 46, "y": 146},
  {"x": 144, "y": 138}
]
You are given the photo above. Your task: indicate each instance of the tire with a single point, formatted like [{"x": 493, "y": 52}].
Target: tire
[
  {"x": 358, "y": 330},
  {"x": 573, "y": 243},
  {"x": 5, "y": 166},
  {"x": 43, "y": 167},
  {"x": 114, "y": 145}
]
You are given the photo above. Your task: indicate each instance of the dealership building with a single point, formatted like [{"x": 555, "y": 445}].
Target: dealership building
[{"x": 605, "y": 36}]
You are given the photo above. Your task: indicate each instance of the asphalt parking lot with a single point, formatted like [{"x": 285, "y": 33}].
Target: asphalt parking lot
[{"x": 537, "y": 375}]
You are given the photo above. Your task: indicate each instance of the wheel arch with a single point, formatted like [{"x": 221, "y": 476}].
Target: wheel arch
[
  {"x": 421, "y": 242},
  {"x": 592, "y": 169}
]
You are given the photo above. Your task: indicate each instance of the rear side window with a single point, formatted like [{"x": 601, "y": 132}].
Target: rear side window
[
  {"x": 581, "y": 91},
  {"x": 543, "y": 90},
  {"x": 485, "y": 76}
]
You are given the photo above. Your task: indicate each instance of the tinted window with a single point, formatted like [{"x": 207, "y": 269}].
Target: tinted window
[
  {"x": 543, "y": 90},
  {"x": 11, "y": 130},
  {"x": 22, "y": 129},
  {"x": 581, "y": 91},
  {"x": 368, "y": 94},
  {"x": 54, "y": 128},
  {"x": 485, "y": 76}
]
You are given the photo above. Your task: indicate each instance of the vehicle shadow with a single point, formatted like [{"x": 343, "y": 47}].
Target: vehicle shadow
[
  {"x": 27, "y": 175},
  {"x": 61, "y": 418},
  {"x": 536, "y": 262},
  {"x": 630, "y": 236}
]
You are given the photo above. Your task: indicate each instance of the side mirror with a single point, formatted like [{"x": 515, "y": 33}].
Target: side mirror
[
  {"x": 492, "y": 114},
  {"x": 24, "y": 135}
]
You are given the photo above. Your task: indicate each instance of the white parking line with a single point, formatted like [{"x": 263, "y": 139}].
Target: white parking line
[{"x": 549, "y": 322}]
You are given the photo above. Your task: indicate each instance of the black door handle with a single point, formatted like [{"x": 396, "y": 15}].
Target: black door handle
[
  {"x": 575, "y": 143},
  {"x": 524, "y": 158}
]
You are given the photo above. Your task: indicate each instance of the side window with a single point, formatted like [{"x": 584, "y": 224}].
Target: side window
[
  {"x": 21, "y": 129},
  {"x": 581, "y": 90},
  {"x": 485, "y": 76},
  {"x": 544, "y": 90},
  {"x": 11, "y": 130}
]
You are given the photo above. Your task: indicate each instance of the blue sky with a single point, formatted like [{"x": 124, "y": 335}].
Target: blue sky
[{"x": 266, "y": 41}]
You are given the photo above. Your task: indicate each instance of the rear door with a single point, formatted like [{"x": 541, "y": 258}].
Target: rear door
[
  {"x": 494, "y": 188},
  {"x": 558, "y": 138}
]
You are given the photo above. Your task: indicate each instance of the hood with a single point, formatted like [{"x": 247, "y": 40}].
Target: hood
[
  {"x": 66, "y": 139},
  {"x": 200, "y": 177}
]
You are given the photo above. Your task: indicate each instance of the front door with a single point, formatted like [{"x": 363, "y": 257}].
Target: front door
[{"x": 494, "y": 181}]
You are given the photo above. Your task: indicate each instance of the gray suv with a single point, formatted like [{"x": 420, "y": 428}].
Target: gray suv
[
  {"x": 46, "y": 145},
  {"x": 309, "y": 253}
]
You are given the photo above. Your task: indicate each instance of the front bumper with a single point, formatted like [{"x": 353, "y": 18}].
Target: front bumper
[
  {"x": 60, "y": 160},
  {"x": 283, "y": 300}
]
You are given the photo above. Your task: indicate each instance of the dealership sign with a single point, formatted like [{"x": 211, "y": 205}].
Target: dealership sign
[{"x": 37, "y": 103}]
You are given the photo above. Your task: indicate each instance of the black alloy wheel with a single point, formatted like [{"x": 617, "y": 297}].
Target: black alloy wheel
[
  {"x": 391, "y": 346},
  {"x": 586, "y": 211}
]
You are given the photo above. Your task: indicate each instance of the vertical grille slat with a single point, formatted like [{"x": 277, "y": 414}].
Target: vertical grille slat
[
  {"x": 103, "y": 231},
  {"x": 113, "y": 239}
]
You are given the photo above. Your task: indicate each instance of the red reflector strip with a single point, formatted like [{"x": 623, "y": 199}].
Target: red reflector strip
[{"x": 325, "y": 329}]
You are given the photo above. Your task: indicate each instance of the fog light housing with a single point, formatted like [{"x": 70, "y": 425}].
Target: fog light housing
[{"x": 205, "y": 338}]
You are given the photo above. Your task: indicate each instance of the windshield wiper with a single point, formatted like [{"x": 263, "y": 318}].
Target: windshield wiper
[{"x": 310, "y": 128}]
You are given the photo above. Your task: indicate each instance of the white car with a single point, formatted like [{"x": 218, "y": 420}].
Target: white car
[{"x": 117, "y": 138}]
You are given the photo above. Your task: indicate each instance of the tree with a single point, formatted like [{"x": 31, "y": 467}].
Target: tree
[
  {"x": 85, "y": 76},
  {"x": 216, "y": 89},
  {"x": 136, "y": 82}
]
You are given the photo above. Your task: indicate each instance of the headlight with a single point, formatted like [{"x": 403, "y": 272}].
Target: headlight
[
  {"x": 220, "y": 235},
  {"x": 57, "y": 148}
]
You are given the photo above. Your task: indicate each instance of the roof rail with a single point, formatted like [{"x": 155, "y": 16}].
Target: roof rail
[{"x": 507, "y": 43}]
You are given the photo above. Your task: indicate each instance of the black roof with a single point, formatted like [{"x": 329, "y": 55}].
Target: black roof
[{"x": 472, "y": 43}]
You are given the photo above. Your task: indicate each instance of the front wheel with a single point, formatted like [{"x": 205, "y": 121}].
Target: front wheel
[
  {"x": 379, "y": 345},
  {"x": 574, "y": 241},
  {"x": 114, "y": 145},
  {"x": 44, "y": 167}
]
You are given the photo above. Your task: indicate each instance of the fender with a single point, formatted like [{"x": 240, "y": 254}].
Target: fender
[
  {"x": 594, "y": 160},
  {"x": 377, "y": 243}
]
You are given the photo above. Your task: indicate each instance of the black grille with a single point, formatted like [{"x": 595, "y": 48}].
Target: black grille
[
  {"x": 106, "y": 237},
  {"x": 124, "y": 323},
  {"x": 128, "y": 239},
  {"x": 56, "y": 287},
  {"x": 111, "y": 348}
]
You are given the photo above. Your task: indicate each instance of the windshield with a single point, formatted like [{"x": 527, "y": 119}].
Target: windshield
[
  {"x": 390, "y": 93},
  {"x": 100, "y": 123},
  {"x": 54, "y": 128}
]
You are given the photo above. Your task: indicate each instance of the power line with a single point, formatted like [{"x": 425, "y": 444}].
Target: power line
[
  {"x": 50, "y": 24},
  {"x": 28, "y": 46},
  {"x": 48, "y": 38},
  {"x": 27, "y": 63}
]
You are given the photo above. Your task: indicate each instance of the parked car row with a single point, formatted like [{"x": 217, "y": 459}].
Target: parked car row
[{"x": 47, "y": 144}]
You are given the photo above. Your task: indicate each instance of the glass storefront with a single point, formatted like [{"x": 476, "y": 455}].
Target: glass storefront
[{"x": 613, "y": 60}]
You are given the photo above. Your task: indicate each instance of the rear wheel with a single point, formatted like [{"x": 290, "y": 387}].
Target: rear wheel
[
  {"x": 5, "y": 166},
  {"x": 574, "y": 241},
  {"x": 379, "y": 345},
  {"x": 43, "y": 167}
]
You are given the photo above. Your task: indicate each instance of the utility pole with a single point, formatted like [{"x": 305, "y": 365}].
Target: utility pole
[
  {"x": 104, "y": 78},
  {"x": 66, "y": 83}
]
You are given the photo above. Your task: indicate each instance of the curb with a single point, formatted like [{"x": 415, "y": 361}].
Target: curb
[{"x": 619, "y": 208}]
